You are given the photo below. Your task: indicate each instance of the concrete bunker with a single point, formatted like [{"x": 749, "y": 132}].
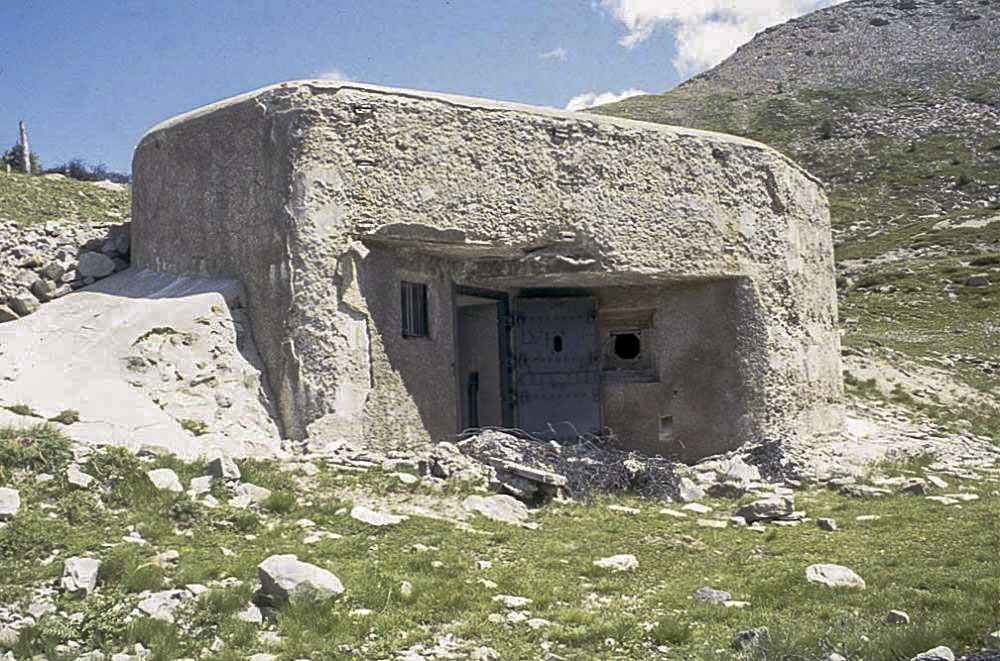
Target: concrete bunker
[{"x": 418, "y": 264}]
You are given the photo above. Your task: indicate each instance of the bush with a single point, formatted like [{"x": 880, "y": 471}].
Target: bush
[
  {"x": 80, "y": 170},
  {"x": 14, "y": 157}
]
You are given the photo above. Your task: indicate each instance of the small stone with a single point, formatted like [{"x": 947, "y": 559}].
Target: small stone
[
  {"x": 23, "y": 303},
  {"x": 537, "y": 623},
  {"x": 697, "y": 508},
  {"x": 674, "y": 513},
  {"x": 940, "y": 653},
  {"x": 687, "y": 490},
  {"x": 10, "y": 503},
  {"x": 166, "y": 559},
  {"x": 512, "y": 602},
  {"x": 161, "y": 605},
  {"x": 375, "y": 518},
  {"x": 745, "y": 640},
  {"x": 200, "y": 485},
  {"x": 483, "y": 564},
  {"x": 94, "y": 265},
  {"x": 897, "y": 617},
  {"x": 868, "y": 517},
  {"x": 711, "y": 523},
  {"x": 944, "y": 500},
  {"x": 78, "y": 478},
  {"x": 6, "y": 314},
  {"x": 737, "y": 521},
  {"x": 623, "y": 562},
  {"x": 251, "y": 493},
  {"x": 165, "y": 479},
  {"x": 830, "y": 525},
  {"x": 80, "y": 574},
  {"x": 834, "y": 576},
  {"x": 711, "y": 596},
  {"x": 937, "y": 482},
  {"x": 406, "y": 588},
  {"x": 977, "y": 281},
  {"x": 914, "y": 486},
  {"x": 222, "y": 467},
  {"x": 406, "y": 478},
  {"x": 251, "y": 614}
]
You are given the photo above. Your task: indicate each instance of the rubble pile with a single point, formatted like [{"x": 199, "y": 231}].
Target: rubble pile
[{"x": 529, "y": 468}]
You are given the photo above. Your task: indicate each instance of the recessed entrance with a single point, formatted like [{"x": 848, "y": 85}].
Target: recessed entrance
[{"x": 558, "y": 389}]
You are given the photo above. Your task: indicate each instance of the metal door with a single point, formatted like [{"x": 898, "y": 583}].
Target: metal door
[{"x": 557, "y": 367}]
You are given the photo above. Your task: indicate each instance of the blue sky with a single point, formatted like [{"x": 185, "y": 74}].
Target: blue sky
[{"x": 90, "y": 77}]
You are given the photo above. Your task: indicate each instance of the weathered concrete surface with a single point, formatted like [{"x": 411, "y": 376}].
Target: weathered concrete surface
[
  {"x": 137, "y": 353},
  {"x": 320, "y": 196}
]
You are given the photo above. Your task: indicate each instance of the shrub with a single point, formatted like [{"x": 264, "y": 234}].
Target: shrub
[
  {"x": 14, "y": 157},
  {"x": 66, "y": 417},
  {"x": 41, "y": 448},
  {"x": 81, "y": 171},
  {"x": 196, "y": 427}
]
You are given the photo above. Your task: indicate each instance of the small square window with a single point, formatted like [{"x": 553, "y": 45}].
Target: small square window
[{"x": 414, "y": 309}]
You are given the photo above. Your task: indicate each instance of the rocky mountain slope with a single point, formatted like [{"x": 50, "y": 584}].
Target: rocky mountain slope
[{"x": 895, "y": 106}]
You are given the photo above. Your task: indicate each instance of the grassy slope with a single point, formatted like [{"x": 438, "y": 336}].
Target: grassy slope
[
  {"x": 935, "y": 562},
  {"x": 881, "y": 192},
  {"x": 31, "y": 200}
]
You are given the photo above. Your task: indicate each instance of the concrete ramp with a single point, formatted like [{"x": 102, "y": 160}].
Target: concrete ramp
[{"x": 149, "y": 361}]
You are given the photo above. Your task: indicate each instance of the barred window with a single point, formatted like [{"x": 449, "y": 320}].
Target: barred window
[{"x": 414, "y": 309}]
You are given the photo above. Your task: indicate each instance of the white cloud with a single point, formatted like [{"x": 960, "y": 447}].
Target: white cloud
[
  {"x": 589, "y": 99},
  {"x": 706, "y": 31},
  {"x": 334, "y": 74},
  {"x": 555, "y": 54}
]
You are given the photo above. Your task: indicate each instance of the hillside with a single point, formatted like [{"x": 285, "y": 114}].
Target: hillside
[
  {"x": 895, "y": 106},
  {"x": 54, "y": 197}
]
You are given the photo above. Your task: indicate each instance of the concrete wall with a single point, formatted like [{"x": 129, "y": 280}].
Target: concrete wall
[{"x": 298, "y": 188}]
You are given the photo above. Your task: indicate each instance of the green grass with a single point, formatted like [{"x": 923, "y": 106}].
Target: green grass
[
  {"x": 28, "y": 200},
  {"x": 935, "y": 562}
]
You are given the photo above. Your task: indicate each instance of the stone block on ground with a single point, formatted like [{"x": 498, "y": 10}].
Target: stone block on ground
[
  {"x": 834, "y": 576},
  {"x": 506, "y": 509},
  {"x": 285, "y": 578},
  {"x": 80, "y": 574},
  {"x": 10, "y": 503}
]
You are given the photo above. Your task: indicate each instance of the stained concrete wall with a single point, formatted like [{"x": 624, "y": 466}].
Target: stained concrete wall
[{"x": 295, "y": 187}]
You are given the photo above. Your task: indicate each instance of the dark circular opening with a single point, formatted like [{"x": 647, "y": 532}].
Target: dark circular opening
[
  {"x": 557, "y": 343},
  {"x": 627, "y": 346}
]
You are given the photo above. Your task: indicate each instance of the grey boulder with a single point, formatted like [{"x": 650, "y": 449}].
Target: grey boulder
[
  {"x": 94, "y": 265},
  {"x": 503, "y": 508},
  {"x": 774, "y": 507},
  {"x": 285, "y": 578},
  {"x": 939, "y": 653}
]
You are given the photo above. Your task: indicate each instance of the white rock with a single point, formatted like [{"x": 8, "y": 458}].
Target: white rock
[
  {"x": 406, "y": 478},
  {"x": 10, "y": 503},
  {"x": 711, "y": 523},
  {"x": 405, "y": 588},
  {"x": 200, "y": 485},
  {"x": 830, "y": 525},
  {"x": 161, "y": 605},
  {"x": 80, "y": 574},
  {"x": 506, "y": 509},
  {"x": 285, "y": 578},
  {"x": 512, "y": 602},
  {"x": 623, "y": 509},
  {"x": 165, "y": 479},
  {"x": 673, "y": 513},
  {"x": 697, "y": 508},
  {"x": 375, "y": 518},
  {"x": 897, "y": 617},
  {"x": 937, "y": 482},
  {"x": 251, "y": 614},
  {"x": 940, "y": 653},
  {"x": 537, "y": 623},
  {"x": 78, "y": 478},
  {"x": 622, "y": 562},
  {"x": 834, "y": 576},
  {"x": 775, "y": 507}
]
